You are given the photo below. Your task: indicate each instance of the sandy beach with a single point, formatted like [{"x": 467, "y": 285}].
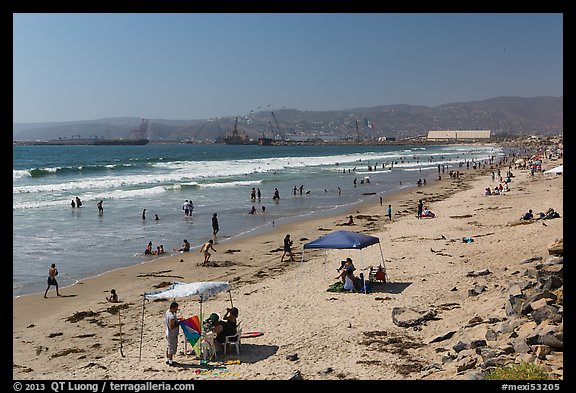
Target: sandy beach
[{"x": 321, "y": 335}]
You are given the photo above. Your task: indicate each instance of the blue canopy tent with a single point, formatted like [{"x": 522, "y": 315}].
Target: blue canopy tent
[{"x": 344, "y": 240}]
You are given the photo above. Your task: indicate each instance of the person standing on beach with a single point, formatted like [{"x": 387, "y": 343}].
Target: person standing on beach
[
  {"x": 389, "y": 212},
  {"x": 287, "y": 248},
  {"x": 52, "y": 273},
  {"x": 185, "y": 207},
  {"x": 73, "y": 204},
  {"x": 215, "y": 224},
  {"x": 100, "y": 208},
  {"x": 171, "y": 322},
  {"x": 420, "y": 206},
  {"x": 144, "y": 214},
  {"x": 206, "y": 247}
]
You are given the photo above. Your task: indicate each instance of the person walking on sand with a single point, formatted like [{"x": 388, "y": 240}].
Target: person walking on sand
[
  {"x": 215, "y": 225},
  {"x": 287, "y": 248},
  {"x": 206, "y": 247},
  {"x": 52, "y": 273},
  {"x": 389, "y": 212},
  {"x": 171, "y": 321}
]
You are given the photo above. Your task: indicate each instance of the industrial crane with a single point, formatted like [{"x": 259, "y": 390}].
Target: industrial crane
[{"x": 277, "y": 126}]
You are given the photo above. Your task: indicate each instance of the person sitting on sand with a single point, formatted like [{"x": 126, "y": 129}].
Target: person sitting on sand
[
  {"x": 349, "y": 222},
  {"x": 427, "y": 213},
  {"x": 344, "y": 264},
  {"x": 113, "y": 298},
  {"x": 528, "y": 216},
  {"x": 348, "y": 278},
  {"x": 225, "y": 327},
  {"x": 185, "y": 247}
]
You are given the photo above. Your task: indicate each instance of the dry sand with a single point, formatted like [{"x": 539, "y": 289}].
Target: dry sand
[{"x": 332, "y": 335}]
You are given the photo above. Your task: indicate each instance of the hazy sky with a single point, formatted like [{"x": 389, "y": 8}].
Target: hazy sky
[{"x": 198, "y": 66}]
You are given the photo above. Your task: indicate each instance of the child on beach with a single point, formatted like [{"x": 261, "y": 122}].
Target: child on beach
[{"x": 113, "y": 298}]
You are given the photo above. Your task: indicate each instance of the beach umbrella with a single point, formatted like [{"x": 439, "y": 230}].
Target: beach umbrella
[
  {"x": 178, "y": 290},
  {"x": 557, "y": 170}
]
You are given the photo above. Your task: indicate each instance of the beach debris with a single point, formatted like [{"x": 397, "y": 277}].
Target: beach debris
[
  {"x": 92, "y": 364},
  {"x": 292, "y": 357},
  {"x": 296, "y": 376},
  {"x": 159, "y": 274},
  {"x": 163, "y": 284},
  {"x": 477, "y": 290},
  {"x": 408, "y": 316},
  {"x": 467, "y": 240},
  {"x": 483, "y": 272},
  {"x": 80, "y": 315},
  {"x": 475, "y": 321},
  {"x": 30, "y": 326},
  {"x": 231, "y": 251},
  {"x": 88, "y": 335},
  {"x": 24, "y": 369},
  {"x": 462, "y": 216},
  {"x": 39, "y": 349},
  {"x": 67, "y": 351},
  {"x": 52, "y": 335},
  {"x": 445, "y": 336},
  {"x": 327, "y": 370},
  {"x": 530, "y": 260}
]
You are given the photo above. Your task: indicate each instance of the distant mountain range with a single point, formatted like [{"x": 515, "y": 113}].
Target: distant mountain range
[{"x": 503, "y": 115}]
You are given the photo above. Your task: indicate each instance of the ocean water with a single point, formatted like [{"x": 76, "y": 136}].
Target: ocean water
[{"x": 217, "y": 178}]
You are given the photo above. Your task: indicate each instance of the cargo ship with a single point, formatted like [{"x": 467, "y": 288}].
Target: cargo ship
[{"x": 237, "y": 137}]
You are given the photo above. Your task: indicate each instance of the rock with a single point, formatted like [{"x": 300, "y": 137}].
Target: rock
[
  {"x": 556, "y": 248},
  {"x": 297, "y": 376},
  {"x": 406, "y": 317}
]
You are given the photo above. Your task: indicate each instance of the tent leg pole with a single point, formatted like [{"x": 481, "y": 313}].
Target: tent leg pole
[
  {"x": 383, "y": 264},
  {"x": 142, "y": 328},
  {"x": 230, "y": 293}
]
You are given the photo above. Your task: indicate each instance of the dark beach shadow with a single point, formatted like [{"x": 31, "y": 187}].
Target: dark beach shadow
[{"x": 389, "y": 287}]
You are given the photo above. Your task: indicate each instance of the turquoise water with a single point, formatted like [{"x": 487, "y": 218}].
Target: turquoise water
[{"x": 217, "y": 178}]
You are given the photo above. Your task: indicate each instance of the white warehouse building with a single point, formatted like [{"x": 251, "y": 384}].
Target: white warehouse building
[{"x": 454, "y": 135}]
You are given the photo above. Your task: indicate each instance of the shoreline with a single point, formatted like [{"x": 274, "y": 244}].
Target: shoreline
[{"x": 250, "y": 264}]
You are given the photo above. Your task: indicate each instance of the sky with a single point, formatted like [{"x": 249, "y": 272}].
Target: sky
[{"x": 175, "y": 66}]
